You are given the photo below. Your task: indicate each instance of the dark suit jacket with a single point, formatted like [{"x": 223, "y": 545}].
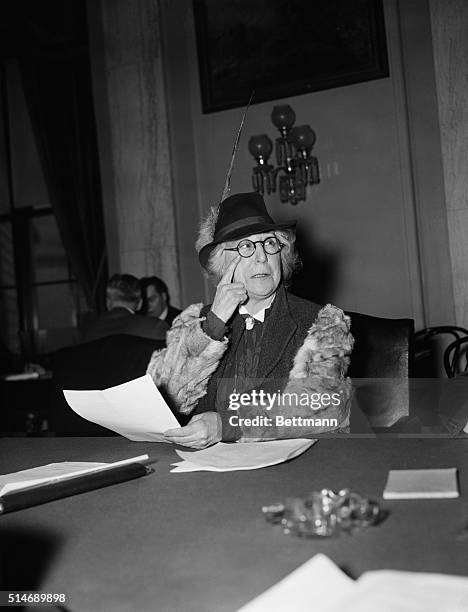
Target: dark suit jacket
[
  {"x": 121, "y": 321},
  {"x": 172, "y": 312},
  {"x": 95, "y": 365},
  {"x": 286, "y": 329}
]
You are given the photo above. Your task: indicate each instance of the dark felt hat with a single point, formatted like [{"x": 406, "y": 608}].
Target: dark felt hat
[{"x": 240, "y": 215}]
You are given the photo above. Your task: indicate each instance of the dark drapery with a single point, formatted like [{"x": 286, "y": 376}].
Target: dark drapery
[{"x": 59, "y": 97}]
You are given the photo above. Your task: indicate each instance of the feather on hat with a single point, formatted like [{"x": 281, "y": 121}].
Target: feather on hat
[{"x": 208, "y": 224}]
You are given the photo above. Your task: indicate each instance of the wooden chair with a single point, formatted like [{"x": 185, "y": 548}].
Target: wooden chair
[
  {"x": 456, "y": 357},
  {"x": 430, "y": 345}
]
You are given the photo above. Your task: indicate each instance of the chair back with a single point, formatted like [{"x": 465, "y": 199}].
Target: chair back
[
  {"x": 456, "y": 357},
  {"x": 106, "y": 362},
  {"x": 381, "y": 363},
  {"x": 383, "y": 348},
  {"x": 430, "y": 346}
]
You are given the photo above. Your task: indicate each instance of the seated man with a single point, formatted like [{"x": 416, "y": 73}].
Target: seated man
[
  {"x": 156, "y": 301},
  {"x": 122, "y": 301}
]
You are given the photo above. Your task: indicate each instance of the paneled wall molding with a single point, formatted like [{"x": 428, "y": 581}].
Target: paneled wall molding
[
  {"x": 449, "y": 19},
  {"x": 426, "y": 162},
  {"x": 410, "y": 241}
]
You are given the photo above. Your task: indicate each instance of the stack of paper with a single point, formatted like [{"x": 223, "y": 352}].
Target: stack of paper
[
  {"x": 55, "y": 472},
  {"x": 320, "y": 585},
  {"x": 422, "y": 484},
  {"x": 135, "y": 409},
  {"x": 246, "y": 456}
]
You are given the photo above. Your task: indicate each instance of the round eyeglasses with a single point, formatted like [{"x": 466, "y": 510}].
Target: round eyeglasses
[{"x": 246, "y": 248}]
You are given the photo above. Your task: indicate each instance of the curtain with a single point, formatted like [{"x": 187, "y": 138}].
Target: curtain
[{"x": 59, "y": 98}]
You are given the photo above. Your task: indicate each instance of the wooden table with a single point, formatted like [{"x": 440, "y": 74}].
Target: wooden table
[{"x": 198, "y": 542}]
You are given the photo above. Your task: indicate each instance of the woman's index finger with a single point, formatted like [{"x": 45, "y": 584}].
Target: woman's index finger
[{"x": 229, "y": 274}]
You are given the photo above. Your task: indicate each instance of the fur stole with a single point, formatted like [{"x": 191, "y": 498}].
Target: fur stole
[{"x": 183, "y": 369}]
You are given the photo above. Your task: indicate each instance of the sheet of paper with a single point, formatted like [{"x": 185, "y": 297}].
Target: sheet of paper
[
  {"x": 184, "y": 466},
  {"x": 224, "y": 457},
  {"x": 135, "y": 409},
  {"x": 407, "y": 592},
  {"x": 320, "y": 585},
  {"x": 317, "y": 585},
  {"x": 421, "y": 484},
  {"x": 22, "y": 376},
  {"x": 54, "y": 472}
]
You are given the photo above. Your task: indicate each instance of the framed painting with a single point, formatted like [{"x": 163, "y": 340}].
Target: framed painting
[{"x": 281, "y": 48}]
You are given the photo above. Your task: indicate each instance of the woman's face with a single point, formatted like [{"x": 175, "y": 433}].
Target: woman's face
[{"x": 260, "y": 273}]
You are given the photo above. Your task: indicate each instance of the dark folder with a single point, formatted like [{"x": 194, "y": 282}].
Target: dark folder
[{"x": 42, "y": 493}]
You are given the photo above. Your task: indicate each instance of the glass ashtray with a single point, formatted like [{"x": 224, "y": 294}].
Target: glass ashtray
[{"x": 325, "y": 513}]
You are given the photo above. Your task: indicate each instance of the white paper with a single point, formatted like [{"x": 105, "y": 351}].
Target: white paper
[
  {"x": 320, "y": 585},
  {"x": 224, "y": 457},
  {"x": 22, "y": 376},
  {"x": 422, "y": 484},
  {"x": 54, "y": 472},
  {"x": 393, "y": 591},
  {"x": 135, "y": 409},
  {"x": 184, "y": 466}
]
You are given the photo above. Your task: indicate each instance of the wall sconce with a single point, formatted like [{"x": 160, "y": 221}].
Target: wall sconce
[{"x": 296, "y": 167}]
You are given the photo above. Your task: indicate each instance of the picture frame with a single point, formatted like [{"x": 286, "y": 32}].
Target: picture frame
[{"x": 282, "y": 48}]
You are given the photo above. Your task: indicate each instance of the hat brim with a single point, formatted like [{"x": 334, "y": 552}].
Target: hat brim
[{"x": 257, "y": 228}]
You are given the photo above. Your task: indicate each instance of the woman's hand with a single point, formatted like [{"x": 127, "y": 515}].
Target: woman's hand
[
  {"x": 202, "y": 431},
  {"x": 228, "y": 294}
]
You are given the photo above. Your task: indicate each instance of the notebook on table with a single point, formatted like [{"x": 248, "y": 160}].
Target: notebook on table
[{"x": 422, "y": 484}]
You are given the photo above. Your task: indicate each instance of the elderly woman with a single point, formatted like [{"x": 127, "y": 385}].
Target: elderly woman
[{"x": 259, "y": 363}]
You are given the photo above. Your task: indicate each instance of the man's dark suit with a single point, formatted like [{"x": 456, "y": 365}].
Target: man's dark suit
[
  {"x": 122, "y": 321},
  {"x": 172, "y": 312},
  {"x": 100, "y": 364}
]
